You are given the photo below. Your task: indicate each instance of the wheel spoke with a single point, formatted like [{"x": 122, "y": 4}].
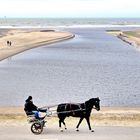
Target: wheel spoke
[{"x": 36, "y": 128}]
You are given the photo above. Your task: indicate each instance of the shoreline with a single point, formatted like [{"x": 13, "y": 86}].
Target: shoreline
[
  {"x": 107, "y": 116},
  {"x": 118, "y": 116},
  {"x": 128, "y": 37},
  {"x": 23, "y": 40}
]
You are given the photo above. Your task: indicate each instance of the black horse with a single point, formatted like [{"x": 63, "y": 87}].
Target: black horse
[{"x": 82, "y": 110}]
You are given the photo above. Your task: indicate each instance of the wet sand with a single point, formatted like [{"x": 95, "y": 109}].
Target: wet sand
[{"x": 27, "y": 39}]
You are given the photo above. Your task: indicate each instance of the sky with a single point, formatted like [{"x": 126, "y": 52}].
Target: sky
[{"x": 70, "y": 8}]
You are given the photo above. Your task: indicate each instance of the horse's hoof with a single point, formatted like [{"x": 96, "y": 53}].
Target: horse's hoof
[
  {"x": 65, "y": 128},
  {"x": 92, "y": 130},
  {"x": 77, "y": 130},
  {"x": 61, "y": 130}
]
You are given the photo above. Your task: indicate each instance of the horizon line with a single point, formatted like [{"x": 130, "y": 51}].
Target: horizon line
[{"x": 72, "y": 17}]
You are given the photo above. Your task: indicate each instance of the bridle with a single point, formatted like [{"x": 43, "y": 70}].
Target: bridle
[{"x": 94, "y": 107}]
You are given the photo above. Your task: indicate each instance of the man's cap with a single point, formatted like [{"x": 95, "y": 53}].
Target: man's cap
[{"x": 29, "y": 98}]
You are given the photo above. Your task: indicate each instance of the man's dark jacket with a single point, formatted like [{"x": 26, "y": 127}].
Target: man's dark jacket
[{"x": 29, "y": 107}]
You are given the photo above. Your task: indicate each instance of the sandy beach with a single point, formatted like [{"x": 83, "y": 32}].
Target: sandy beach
[
  {"x": 130, "y": 37},
  {"x": 107, "y": 116},
  {"x": 52, "y": 132},
  {"x": 24, "y": 39},
  {"x": 110, "y": 122}
]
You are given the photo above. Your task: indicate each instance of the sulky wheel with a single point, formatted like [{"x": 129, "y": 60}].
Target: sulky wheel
[{"x": 36, "y": 128}]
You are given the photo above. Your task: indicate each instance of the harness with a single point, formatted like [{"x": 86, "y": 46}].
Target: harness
[
  {"x": 71, "y": 110},
  {"x": 75, "y": 110}
]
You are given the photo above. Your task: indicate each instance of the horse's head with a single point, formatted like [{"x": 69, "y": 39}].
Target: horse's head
[
  {"x": 97, "y": 103},
  {"x": 94, "y": 103}
]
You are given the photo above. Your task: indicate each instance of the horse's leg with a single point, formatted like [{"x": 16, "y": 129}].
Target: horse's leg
[
  {"x": 88, "y": 122},
  {"x": 60, "y": 120},
  {"x": 64, "y": 124},
  {"x": 79, "y": 124}
]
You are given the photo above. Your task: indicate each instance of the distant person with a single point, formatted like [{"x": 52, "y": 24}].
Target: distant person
[
  {"x": 8, "y": 43},
  {"x": 32, "y": 109}
]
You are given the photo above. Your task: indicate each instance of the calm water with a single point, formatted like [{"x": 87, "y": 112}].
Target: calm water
[{"x": 93, "y": 64}]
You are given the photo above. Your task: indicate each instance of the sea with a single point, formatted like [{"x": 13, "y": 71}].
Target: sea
[
  {"x": 93, "y": 64},
  {"x": 68, "y": 22}
]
